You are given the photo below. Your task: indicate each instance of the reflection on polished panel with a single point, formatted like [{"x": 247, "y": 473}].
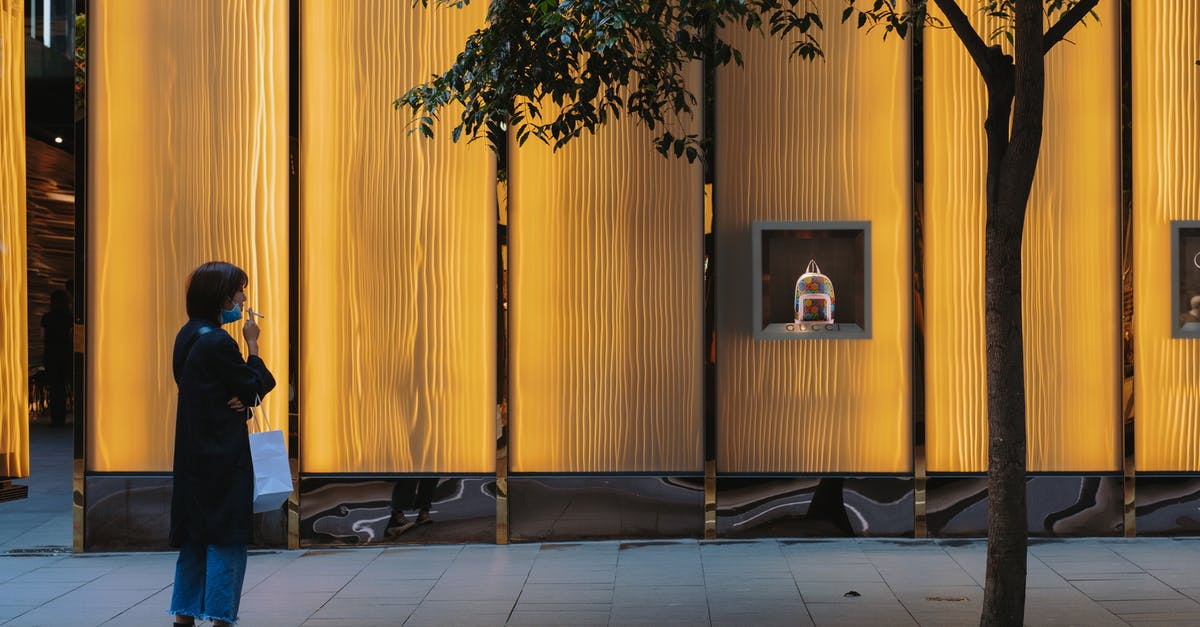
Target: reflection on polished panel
[
  {"x": 814, "y": 506},
  {"x": 1168, "y": 506},
  {"x": 581, "y": 508},
  {"x": 127, "y": 513},
  {"x": 1059, "y": 506},
  {"x": 133, "y": 513},
  {"x": 358, "y": 510},
  {"x": 606, "y": 263},
  {"x": 187, "y": 162},
  {"x": 397, "y": 251},
  {"x": 14, "y": 361},
  {"x": 820, "y": 142},
  {"x": 1070, "y": 296},
  {"x": 1166, "y": 144}
]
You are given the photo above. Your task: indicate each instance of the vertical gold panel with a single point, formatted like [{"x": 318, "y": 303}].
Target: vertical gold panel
[
  {"x": 398, "y": 251},
  {"x": 1071, "y": 270},
  {"x": 823, "y": 141},
  {"x": 187, "y": 140},
  {"x": 1166, "y": 187},
  {"x": 605, "y": 304},
  {"x": 14, "y": 358}
]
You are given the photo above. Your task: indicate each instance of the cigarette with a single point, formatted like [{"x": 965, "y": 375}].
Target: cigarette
[{"x": 255, "y": 313}]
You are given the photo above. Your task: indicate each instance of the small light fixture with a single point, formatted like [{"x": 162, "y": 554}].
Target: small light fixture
[{"x": 58, "y": 140}]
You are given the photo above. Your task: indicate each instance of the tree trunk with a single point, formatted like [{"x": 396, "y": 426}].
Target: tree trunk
[
  {"x": 1004, "y": 591},
  {"x": 1010, "y": 178}
]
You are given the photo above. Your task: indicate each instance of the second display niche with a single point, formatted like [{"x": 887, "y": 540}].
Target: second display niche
[{"x": 812, "y": 280}]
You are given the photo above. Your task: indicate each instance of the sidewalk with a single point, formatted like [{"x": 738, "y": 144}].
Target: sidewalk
[
  {"x": 1146, "y": 581},
  {"x": 43, "y": 520},
  {"x": 765, "y": 582}
]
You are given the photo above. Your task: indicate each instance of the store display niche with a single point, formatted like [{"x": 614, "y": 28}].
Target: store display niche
[
  {"x": 1185, "y": 279},
  {"x": 811, "y": 280}
]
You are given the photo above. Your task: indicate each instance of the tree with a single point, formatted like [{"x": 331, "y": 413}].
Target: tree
[{"x": 597, "y": 59}]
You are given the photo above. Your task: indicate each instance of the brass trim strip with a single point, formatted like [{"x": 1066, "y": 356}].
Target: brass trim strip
[
  {"x": 710, "y": 499},
  {"x": 78, "y": 503},
  {"x": 920, "y": 526},
  {"x": 502, "y": 473},
  {"x": 293, "y": 503},
  {"x": 293, "y": 511}
]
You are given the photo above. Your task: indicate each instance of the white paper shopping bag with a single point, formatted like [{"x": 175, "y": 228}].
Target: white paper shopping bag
[{"x": 272, "y": 475}]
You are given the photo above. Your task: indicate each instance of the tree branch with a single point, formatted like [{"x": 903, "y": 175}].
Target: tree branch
[
  {"x": 1066, "y": 23},
  {"x": 962, "y": 27}
]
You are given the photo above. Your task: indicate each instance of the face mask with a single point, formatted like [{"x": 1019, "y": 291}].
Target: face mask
[{"x": 231, "y": 315}]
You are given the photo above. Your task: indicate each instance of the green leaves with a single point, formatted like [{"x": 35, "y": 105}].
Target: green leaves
[
  {"x": 596, "y": 60},
  {"x": 883, "y": 13},
  {"x": 1003, "y": 10},
  {"x": 787, "y": 23}
]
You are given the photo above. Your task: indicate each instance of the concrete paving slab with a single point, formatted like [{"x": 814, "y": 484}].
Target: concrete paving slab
[
  {"x": 846, "y": 592},
  {"x": 761, "y": 620},
  {"x": 535, "y": 617},
  {"x": 348, "y": 610},
  {"x": 860, "y": 615},
  {"x": 659, "y": 615},
  {"x": 1134, "y": 587},
  {"x": 1132, "y": 609},
  {"x": 569, "y": 593}
]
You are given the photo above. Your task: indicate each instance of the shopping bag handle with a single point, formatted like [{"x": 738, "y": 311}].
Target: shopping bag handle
[{"x": 260, "y": 424}]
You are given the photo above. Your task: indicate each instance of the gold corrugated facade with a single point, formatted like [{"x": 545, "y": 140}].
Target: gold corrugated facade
[
  {"x": 825, "y": 141},
  {"x": 14, "y": 361},
  {"x": 1166, "y": 187},
  {"x": 1070, "y": 272},
  {"x": 605, "y": 306},
  {"x": 187, "y": 140},
  {"x": 397, "y": 252}
]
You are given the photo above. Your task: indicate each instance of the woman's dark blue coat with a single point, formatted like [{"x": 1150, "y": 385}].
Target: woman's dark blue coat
[{"x": 212, "y": 501}]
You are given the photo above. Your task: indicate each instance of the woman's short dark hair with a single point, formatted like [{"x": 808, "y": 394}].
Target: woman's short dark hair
[{"x": 210, "y": 285}]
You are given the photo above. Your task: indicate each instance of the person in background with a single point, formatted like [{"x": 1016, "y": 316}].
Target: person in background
[
  {"x": 57, "y": 334},
  {"x": 410, "y": 494},
  {"x": 213, "y": 483}
]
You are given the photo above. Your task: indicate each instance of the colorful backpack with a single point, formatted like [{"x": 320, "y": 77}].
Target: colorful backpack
[{"x": 814, "y": 295}]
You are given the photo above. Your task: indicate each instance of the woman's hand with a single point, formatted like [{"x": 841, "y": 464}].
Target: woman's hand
[
  {"x": 236, "y": 404},
  {"x": 250, "y": 331}
]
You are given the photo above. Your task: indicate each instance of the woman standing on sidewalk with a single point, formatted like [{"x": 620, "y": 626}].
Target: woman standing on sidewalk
[{"x": 211, "y": 517}]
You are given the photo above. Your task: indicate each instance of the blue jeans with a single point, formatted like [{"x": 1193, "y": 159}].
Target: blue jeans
[{"x": 208, "y": 581}]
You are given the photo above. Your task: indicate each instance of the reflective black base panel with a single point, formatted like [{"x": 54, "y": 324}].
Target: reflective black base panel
[
  {"x": 133, "y": 513},
  {"x": 349, "y": 511},
  {"x": 578, "y": 508},
  {"x": 1168, "y": 506},
  {"x": 781, "y": 507},
  {"x": 1059, "y": 506}
]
